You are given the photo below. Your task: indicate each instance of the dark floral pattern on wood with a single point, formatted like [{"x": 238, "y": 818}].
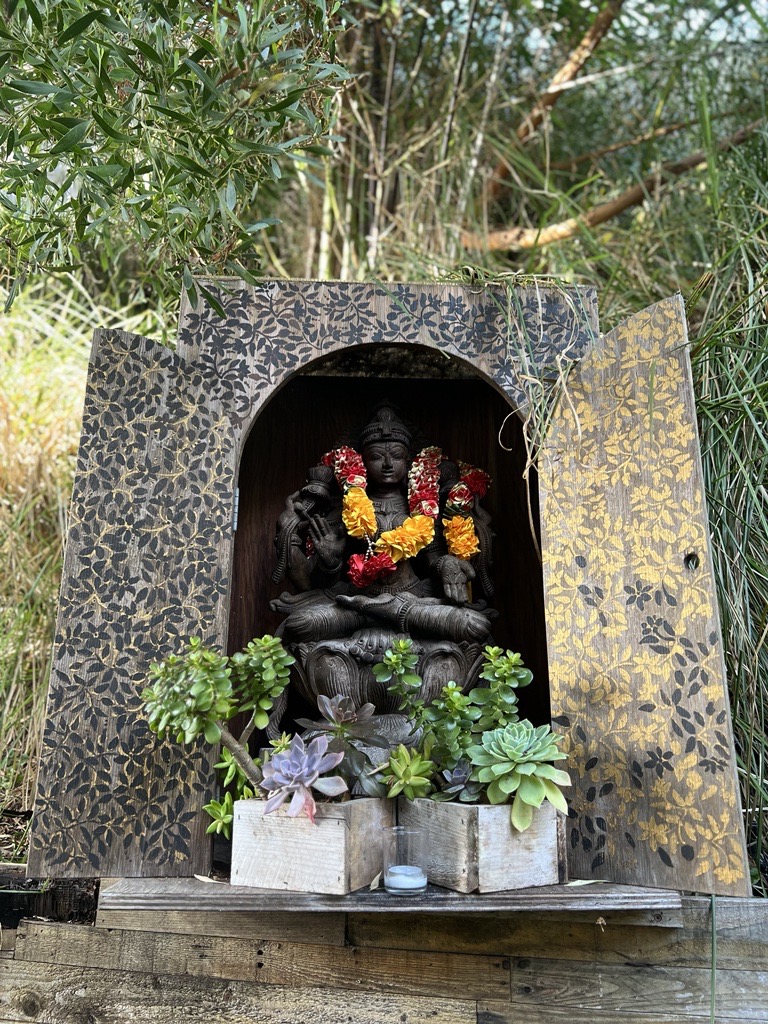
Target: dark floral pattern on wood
[
  {"x": 636, "y": 666},
  {"x": 146, "y": 563},
  {"x": 270, "y": 330}
]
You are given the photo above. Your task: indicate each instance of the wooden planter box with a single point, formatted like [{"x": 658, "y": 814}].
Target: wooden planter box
[
  {"x": 473, "y": 847},
  {"x": 341, "y": 852}
]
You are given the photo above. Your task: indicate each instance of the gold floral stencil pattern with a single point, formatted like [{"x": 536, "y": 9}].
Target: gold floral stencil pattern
[{"x": 636, "y": 664}]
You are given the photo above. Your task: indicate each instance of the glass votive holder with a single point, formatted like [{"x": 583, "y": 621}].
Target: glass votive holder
[{"x": 405, "y": 872}]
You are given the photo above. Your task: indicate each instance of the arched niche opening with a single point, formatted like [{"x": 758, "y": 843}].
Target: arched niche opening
[{"x": 445, "y": 402}]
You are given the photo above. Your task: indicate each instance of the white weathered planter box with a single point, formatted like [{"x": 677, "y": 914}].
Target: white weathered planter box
[
  {"x": 341, "y": 852},
  {"x": 473, "y": 847}
]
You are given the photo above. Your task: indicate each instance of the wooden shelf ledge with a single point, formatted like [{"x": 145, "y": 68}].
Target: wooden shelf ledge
[{"x": 190, "y": 894}]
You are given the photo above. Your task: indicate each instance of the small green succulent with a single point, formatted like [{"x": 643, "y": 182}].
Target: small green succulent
[
  {"x": 397, "y": 669},
  {"x": 222, "y": 812},
  {"x": 449, "y": 724},
  {"x": 190, "y": 694},
  {"x": 504, "y": 671},
  {"x": 515, "y": 763},
  {"x": 231, "y": 775},
  {"x": 407, "y": 772},
  {"x": 457, "y": 783}
]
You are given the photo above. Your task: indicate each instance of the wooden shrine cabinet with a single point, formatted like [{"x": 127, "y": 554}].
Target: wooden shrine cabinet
[{"x": 619, "y": 617}]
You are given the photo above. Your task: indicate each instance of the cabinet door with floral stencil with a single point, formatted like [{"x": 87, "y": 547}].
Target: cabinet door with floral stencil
[
  {"x": 635, "y": 650},
  {"x": 146, "y": 565}
]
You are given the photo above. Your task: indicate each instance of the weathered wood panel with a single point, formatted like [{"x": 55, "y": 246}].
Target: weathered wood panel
[
  {"x": 445, "y": 975},
  {"x": 613, "y": 989},
  {"x": 637, "y": 975},
  {"x": 339, "y": 852},
  {"x": 500, "y": 1013},
  {"x": 147, "y": 562},
  {"x": 636, "y": 663},
  {"x": 51, "y": 994},
  {"x": 152, "y": 894},
  {"x": 321, "y": 929},
  {"x": 610, "y": 938}
]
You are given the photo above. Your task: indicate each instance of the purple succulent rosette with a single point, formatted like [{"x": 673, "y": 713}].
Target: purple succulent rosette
[{"x": 295, "y": 772}]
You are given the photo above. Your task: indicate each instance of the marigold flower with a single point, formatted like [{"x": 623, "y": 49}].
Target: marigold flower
[
  {"x": 358, "y": 514},
  {"x": 407, "y": 540},
  {"x": 460, "y": 536}
]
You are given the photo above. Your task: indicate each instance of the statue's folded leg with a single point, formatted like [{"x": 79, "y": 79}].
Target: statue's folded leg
[
  {"x": 421, "y": 617},
  {"x": 321, "y": 621}
]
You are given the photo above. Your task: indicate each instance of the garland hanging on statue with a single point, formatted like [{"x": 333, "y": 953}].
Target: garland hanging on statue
[{"x": 406, "y": 541}]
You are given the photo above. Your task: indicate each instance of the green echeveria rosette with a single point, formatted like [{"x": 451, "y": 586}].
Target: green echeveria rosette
[{"x": 515, "y": 763}]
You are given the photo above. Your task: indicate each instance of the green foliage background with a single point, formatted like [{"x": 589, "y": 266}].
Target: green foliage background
[{"x": 138, "y": 134}]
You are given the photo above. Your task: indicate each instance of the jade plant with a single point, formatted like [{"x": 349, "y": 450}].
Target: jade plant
[
  {"x": 195, "y": 694},
  {"x": 472, "y": 747}
]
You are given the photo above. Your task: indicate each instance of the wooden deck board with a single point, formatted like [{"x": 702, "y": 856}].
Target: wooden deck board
[
  {"x": 603, "y": 937},
  {"x": 54, "y": 994},
  {"x": 446, "y": 975},
  {"x": 191, "y": 894},
  {"x": 319, "y": 929}
]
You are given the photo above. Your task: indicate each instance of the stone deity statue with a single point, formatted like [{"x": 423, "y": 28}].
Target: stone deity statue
[{"x": 378, "y": 549}]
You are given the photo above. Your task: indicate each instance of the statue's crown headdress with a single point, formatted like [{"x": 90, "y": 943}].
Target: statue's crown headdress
[{"x": 386, "y": 425}]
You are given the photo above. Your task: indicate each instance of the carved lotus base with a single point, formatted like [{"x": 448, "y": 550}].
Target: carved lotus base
[{"x": 345, "y": 666}]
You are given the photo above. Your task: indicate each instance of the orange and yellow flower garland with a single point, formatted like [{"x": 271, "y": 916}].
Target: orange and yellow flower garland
[{"x": 418, "y": 530}]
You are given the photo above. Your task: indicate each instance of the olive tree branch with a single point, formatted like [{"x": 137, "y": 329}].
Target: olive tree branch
[
  {"x": 569, "y": 71},
  {"x": 529, "y": 238}
]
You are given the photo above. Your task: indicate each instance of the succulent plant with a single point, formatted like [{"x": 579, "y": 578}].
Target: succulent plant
[
  {"x": 197, "y": 691},
  {"x": 349, "y": 728},
  {"x": 515, "y": 762},
  {"x": 397, "y": 669},
  {"x": 449, "y": 724},
  {"x": 505, "y": 672},
  {"x": 222, "y": 812},
  {"x": 190, "y": 693},
  {"x": 260, "y": 673},
  {"x": 407, "y": 772},
  {"x": 457, "y": 783},
  {"x": 296, "y": 771}
]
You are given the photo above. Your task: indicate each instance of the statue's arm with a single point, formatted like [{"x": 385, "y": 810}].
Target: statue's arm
[
  {"x": 292, "y": 561},
  {"x": 329, "y": 541},
  {"x": 452, "y": 573}
]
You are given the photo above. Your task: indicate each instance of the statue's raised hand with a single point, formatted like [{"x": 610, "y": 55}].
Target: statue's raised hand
[
  {"x": 328, "y": 541},
  {"x": 455, "y": 573}
]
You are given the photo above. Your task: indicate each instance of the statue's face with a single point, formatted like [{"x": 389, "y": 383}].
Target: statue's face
[{"x": 386, "y": 462}]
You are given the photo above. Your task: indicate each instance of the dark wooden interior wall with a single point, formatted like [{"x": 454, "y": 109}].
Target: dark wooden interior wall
[{"x": 313, "y": 414}]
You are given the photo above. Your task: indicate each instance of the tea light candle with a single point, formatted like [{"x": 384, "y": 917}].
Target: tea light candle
[{"x": 405, "y": 878}]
